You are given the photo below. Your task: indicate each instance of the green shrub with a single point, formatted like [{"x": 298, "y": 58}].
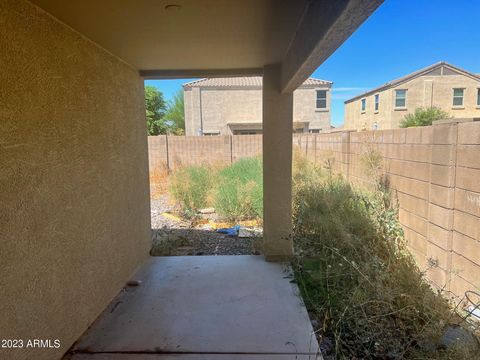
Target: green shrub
[
  {"x": 239, "y": 192},
  {"x": 192, "y": 187},
  {"x": 236, "y": 191},
  {"x": 359, "y": 280},
  {"x": 423, "y": 117}
]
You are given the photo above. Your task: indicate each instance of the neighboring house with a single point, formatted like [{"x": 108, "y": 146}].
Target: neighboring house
[
  {"x": 225, "y": 106},
  {"x": 441, "y": 85}
]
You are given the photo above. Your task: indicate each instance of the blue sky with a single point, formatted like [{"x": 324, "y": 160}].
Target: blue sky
[{"x": 400, "y": 37}]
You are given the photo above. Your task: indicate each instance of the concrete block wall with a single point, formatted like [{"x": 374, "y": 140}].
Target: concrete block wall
[
  {"x": 405, "y": 157},
  {"x": 246, "y": 146},
  {"x": 434, "y": 170},
  {"x": 465, "y": 244},
  {"x": 184, "y": 150},
  {"x": 306, "y": 144},
  {"x": 157, "y": 145},
  {"x": 171, "y": 152},
  {"x": 332, "y": 150}
]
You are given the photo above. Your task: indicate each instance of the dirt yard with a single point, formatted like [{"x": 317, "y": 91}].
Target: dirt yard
[{"x": 173, "y": 236}]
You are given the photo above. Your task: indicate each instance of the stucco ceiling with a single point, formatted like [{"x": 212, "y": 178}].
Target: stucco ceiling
[{"x": 196, "y": 34}]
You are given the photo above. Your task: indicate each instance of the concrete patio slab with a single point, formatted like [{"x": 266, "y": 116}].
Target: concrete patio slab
[{"x": 204, "y": 307}]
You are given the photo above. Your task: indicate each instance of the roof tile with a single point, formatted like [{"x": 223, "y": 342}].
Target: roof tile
[{"x": 243, "y": 81}]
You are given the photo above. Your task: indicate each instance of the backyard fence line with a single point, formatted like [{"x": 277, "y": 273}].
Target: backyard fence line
[
  {"x": 171, "y": 152},
  {"x": 434, "y": 170}
]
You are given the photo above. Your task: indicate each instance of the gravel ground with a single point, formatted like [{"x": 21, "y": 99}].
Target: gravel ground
[{"x": 171, "y": 237}]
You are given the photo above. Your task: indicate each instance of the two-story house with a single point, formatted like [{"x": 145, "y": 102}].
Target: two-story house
[
  {"x": 233, "y": 105},
  {"x": 441, "y": 85}
]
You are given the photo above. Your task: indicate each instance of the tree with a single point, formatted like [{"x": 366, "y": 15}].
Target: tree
[
  {"x": 423, "y": 117},
  {"x": 155, "y": 110},
  {"x": 175, "y": 115}
]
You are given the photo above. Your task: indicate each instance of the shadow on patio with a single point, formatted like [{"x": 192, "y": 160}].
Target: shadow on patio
[{"x": 204, "y": 307}]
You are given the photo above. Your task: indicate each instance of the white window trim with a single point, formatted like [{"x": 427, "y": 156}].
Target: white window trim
[
  {"x": 399, "y": 108},
  {"x": 326, "y": 108},
  {"x": 375, "y": 111},
  {"x": 363, "y": 110},
  {"x": 458, "y": 107}
]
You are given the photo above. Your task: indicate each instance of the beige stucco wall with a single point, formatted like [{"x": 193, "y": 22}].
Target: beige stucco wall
[
  {"x": 423, "y": 91},
  {"x": 74, "y": 213},
  {"x": 304, "y": 109},
  {"x": 217, "y": 107},
  {"x": 221, "y": 107}
]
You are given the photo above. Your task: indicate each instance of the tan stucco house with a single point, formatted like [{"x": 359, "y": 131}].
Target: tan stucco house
[
  {"x": 233, "y": 105},
  {"x": 441, "y": 85}
]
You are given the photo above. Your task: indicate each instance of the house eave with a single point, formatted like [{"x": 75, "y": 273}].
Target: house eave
[{"x": 412, "y": 76}]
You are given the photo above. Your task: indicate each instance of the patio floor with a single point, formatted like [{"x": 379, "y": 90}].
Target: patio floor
[{"x": 204, "y": 307}]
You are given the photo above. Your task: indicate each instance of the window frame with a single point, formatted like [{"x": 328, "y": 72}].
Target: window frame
[
  {"x": 317, "y": 99},
  {"x": 397, "y": 98},
  {"x": 363, "y": 105},
  {"x": 478, "y": 98},
  {"x": 458, "y": 106},
  {"x": 211, "y": 133},
  {"x": 376, "y": 103},
  {"x": 247, "y": 132}
]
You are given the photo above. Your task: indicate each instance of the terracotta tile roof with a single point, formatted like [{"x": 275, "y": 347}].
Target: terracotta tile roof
[{"x": 244, "y": 81}]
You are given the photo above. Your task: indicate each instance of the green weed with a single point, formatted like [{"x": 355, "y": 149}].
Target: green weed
[
  {"x": 240, "y": 190},
  {"x": 192, "y": 187},
  {"x": 236, "y": 191}
]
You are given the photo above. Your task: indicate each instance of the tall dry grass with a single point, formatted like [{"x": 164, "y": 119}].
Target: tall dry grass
[
  {"x": 357, "y": 277},
  {"x": 158, "y": 182}
]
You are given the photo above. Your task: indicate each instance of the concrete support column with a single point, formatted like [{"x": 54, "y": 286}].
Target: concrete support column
[{"x": 277, "y": 167}]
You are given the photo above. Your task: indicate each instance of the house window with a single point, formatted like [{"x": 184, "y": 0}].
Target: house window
[
  {"x": 211, "y": 133},
  {"x": 400, "y": 98},
  {"x": 478, "y": 97},
  {"x": 314, "y": 131},
  {"x": 364, "y": 104},
  {"x": 321, "y": 99},
  {"x": 247, "y": 132},
  {"x": 458, "y": 97},
  {"x": 377, "y": 99}
]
